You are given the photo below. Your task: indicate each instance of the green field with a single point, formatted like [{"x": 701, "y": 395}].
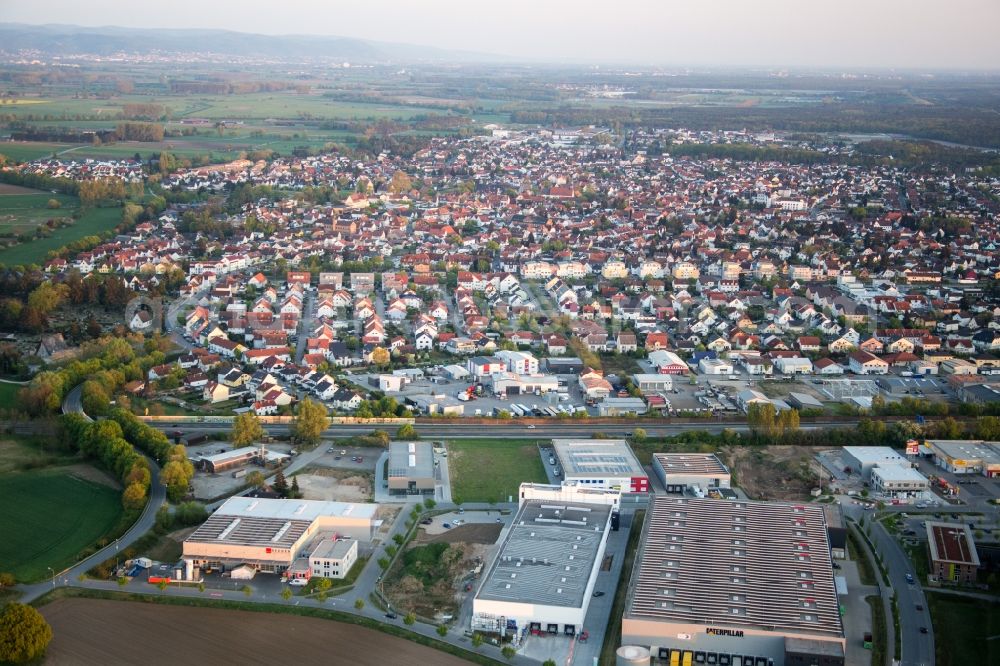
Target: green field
[
  {"x": 93, "y": 222},
  {"x": 965, "y": 630},
  {"x": 8, "y": 395},
  {"x": 486, "y": 470},
  {"x": 49, "y": 517},
  {"x": 25, "y": 151},
  {"x": 20, "y": 213}
]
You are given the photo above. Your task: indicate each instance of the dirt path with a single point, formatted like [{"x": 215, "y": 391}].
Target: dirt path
[{"x": 93, "y": 631}]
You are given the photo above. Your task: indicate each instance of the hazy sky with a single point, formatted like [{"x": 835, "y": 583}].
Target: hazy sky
[{"x": 806, "y": 33}]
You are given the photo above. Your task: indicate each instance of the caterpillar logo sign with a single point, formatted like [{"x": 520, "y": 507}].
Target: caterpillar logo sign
[{"x": 734, "y": 633}]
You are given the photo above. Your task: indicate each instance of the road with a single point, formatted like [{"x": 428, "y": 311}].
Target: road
[
  {"x": 917, "y": 649},
  {"x": 158, "y": 495},
  {"x": 305, "y": 326}
]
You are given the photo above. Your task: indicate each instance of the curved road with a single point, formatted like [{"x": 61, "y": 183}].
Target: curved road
[{"x": 157, "y": 496}]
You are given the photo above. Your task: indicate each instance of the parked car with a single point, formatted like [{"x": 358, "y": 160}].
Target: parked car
[
  {"x": 298, "y": 582},
  {"x": 447, "y": 526},
  {"x": 909, "y": 578},
  {"x": 391, "y": 616},
  {"x": 598, "y": 593}
]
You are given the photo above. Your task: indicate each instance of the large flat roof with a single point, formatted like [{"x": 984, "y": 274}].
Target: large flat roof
[
  {"x": 597, "y": 458},
  {"x": 898, "y": 473},
  {"x": 691, "y": 464},
  {"x": 275, "y": 523},
  {"x": 548, "y": 554},
  {"x": 411, "y": 459},
  {"x": 874, "y": 455},
  {"x": 293, "y": 509},
  {"x": 962, "y": 449},
  {"x": 952, "y": 542},
  {"x": 761, "y": 565}
]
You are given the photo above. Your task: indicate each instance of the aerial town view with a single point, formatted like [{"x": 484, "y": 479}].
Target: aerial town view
[{"x": 547, "y": 334}]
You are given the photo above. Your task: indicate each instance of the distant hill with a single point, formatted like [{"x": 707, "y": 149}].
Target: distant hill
[{"x": 107, "y": 40}]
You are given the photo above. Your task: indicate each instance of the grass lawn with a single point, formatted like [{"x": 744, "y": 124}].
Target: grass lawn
[
  {"x": 93, "y": 222},
  {"x": 963, "y": 629},
  {"x": 25, "y": 151},
  {"x": 49, "y": 517},
  {"x": 485, "y": 470},
  {"x": 8, "y": 395},
  {"x": 27, "y": 209}
]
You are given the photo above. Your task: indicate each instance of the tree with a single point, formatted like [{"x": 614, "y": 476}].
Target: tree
[
  {"x": 429, "y": 503},
  {"x": 639, "y": 435},
  {"x": 280, "y": 484},
  {"x": 442, "y": 630},
  {"x": 548, "y": 662},
  {"x": 295, "y": 493},
  {"x": 400, "y": 183},
  {"x": 134, "y": 497},
  {"x": 477, "y": 640},
  {"x": 508, "y": 652},
  {"x": 246, "y": 430},
  {"x": 359, "y": 603},
  {"x": 406, "y": 431},
  {"x": 310, "y": 423},
  {"x": 380, "y": 356},
  {"x": 383, "y": 563},
  {"x": 247, "y": 591},
  {"x": 24, "y": 634},
  {"x": 286, "y": 593},
  {"x": 410, "y": 619},
  {"x": 7, "y": 580},
  {"x": 255, "y": 479}
]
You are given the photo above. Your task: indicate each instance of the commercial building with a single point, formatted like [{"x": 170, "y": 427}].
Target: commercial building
[
  {"x": 667, "y": 362},
  {"x": 653, "y": 383},
  {"x": 952, "y": 552},
  {"x": 333, "y": 557},
  {"x": 544, "y": 574},
  {"x": 568, "y": 491},
  {"x": 613, "y": 406},
  {"x": 967, "y": 456},
  {"x": 742, "y": 583},
  {"x": 898, "y": 482},
  {"x": 715, "y": 366},
  {"x": 216, "y": 463},
  {"x": 699, "y": 472},
  {"x": 601, "y": 463},
  {"x": 270, "y": 534},
  {"x": 862, "y": 459},
  {"x": 411, "y": 468}
]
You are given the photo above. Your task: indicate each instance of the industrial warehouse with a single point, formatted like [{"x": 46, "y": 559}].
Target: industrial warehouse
[
  {"x": 735, "y": 584},
  {"x": 607, "y": 463},
  {"x": 411, "y": 468},
  {"x": 699, "y": 473},
  {"x": 276, "y": 535},
  {"x": 544, "y": 574}
]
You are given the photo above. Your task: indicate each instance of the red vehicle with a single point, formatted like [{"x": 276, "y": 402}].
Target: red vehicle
[{"x": 584, "y": 635}]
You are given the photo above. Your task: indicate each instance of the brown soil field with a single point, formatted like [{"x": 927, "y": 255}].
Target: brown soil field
[
  {"x": 6, "y": 188},
  {"x": 773, "y": 472},
  {"x": 96, "y": 631}
]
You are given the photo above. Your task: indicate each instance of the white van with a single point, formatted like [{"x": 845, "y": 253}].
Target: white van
[{"x": 298, "y": 582}]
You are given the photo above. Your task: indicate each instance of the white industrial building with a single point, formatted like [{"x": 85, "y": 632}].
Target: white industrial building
[
  {"x": 698, "y": 472},
  {"x": 715, "y": 366},
  {"x": 601, "y": 463},
  {"x": 568, "y": 491},
  {"x": 862, "y": 459},
  {"x": 271, "y": 534},
  {"x": 898, "y": 482},
  {"x": 333, "y": 557},
  {"x": 653, "y": 383},
  {"x": 544, "y": 574}
]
